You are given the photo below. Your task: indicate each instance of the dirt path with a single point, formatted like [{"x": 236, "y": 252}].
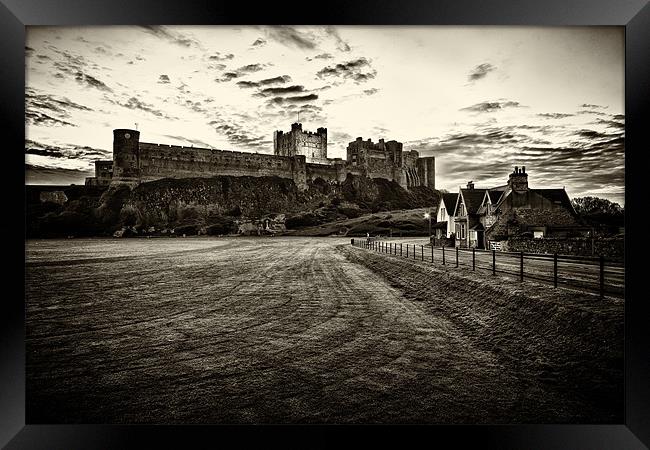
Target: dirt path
[{"x": 244, "y": 330}]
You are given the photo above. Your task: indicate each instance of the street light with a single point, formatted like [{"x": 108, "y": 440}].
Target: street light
[{"x": 428, "y": 216}]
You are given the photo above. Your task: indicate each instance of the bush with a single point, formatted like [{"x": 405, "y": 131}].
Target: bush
[
  {"x": 235, "y": 212},
  {"x": 351, "y": 213},
  {"x": 301, "y": 220},
  {"x": 220, "y": 225},
  {"x": 188, "y": 230},
  {"x": 128, "y": 216}
]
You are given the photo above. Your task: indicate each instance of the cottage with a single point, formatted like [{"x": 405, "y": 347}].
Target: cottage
[
  {"x": 444, "y": 225},
  {"x": 487, "y": 218}
]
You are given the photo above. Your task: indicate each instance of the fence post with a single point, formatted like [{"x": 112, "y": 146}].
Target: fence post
[
  {"x": 400, "y": 249},
  {"x": 555, "y": 270},
  {"x": 494, "y": 262},
  {"x": 407, "y": 250},
  {"x": 422, "y": 252},
  {"x": 352, "y": 241},
  {"x": 602, "y": 276},
  {"x": 473, "y": 258},
  {"x": 521, "y": 267},
  {"x": 456, "y": 256},
  {"x": 414, "y": 255},
  {"x": 443, "y": 255},
  {"x": 432, "y": 252}
]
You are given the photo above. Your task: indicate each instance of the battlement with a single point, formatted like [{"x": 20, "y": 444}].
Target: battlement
[{"x": 298, "y": 155}]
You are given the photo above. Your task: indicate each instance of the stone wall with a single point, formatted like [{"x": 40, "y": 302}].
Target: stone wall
[
  {"x": 333, "y": 173},
  {"x": 517, "y": 221},
  {"x": 135, "y": 162},
  {"x": 610, "y": 248}
]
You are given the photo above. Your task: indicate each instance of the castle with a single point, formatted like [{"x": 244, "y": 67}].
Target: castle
[{"x": 298, "y": 155}]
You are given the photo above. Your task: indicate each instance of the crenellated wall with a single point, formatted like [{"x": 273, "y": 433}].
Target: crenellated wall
[
  {"x": 136, "y": 162},
  {"x": 164, "y": 161}
]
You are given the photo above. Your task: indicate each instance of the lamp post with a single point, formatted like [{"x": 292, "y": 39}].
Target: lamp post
[{"x": 428, "y": 216}]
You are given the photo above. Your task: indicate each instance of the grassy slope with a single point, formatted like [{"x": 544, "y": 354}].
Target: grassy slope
[
  {"x": 565, "y": 345},
  {"x": 409, "y": 222}
]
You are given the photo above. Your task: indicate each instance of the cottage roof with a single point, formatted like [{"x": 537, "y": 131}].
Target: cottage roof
[
  {"x": 472, "y": 199},
  {"x": 556, "y": 196},
  {"x": 449, "y": 200},
  {"x": 494, "y": 195}
]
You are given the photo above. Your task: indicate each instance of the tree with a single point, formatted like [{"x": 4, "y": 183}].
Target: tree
[{"x": 599, "y": 211}]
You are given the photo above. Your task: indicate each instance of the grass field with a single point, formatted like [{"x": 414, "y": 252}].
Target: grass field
[{"x": 304, "y": 330}]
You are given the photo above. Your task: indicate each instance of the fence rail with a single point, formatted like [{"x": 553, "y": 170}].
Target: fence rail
[{"x": 584, "y": 272}]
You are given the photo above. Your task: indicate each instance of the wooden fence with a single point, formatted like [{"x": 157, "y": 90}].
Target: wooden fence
[{"x": 593, "y": 274}]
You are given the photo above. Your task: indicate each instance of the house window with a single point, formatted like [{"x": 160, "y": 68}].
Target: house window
[
  {"x": 538, "y": 234},
  {"x": 472, "y": 235},
  {"x": 460, "y": 231},
  {"x": 461, "y": 210},
  {"x": 442, "y": 214}
]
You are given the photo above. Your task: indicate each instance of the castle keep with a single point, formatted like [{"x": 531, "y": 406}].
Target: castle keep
[
  {"x": 297, "y": 142},
  {"x": 298, "y": 155}
]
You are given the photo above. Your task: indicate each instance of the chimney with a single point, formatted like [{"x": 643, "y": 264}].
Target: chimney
[
  {"x": 470, "y": 185},
  {"x": 518, "y": 180},
  {"x": 296, "y": 126}
]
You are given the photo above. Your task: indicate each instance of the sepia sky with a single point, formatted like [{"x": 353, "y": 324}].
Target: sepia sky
[{"x": 480, "y": 99}]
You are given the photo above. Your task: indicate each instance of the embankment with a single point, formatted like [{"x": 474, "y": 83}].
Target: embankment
[{"x": 554, "y": 340}]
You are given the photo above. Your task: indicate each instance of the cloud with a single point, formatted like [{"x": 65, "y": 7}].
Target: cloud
[
  {"x": 244, "y": 70},
  {"x": 49, "y": 110},
  {"x": 480, "y": 71},
  {"x": 275, "y": 80},
  {"x": 197, "y": 142},
  {"x": 371, "y": 91},
  {"x": 492, "y": 106},
  {"x": 281, "y": 90},
  {"x": 591, "y": 112},
  {"x": 320, "y": 56},
  {"x": 220, "y": 57},
  {"x": 83, "y": 154},
  {"x": 291, "y": 37},
  {"x": 85, "y": 79},
  {"x": 592, "y": 106},
  {"x": 340, "y": 43},
  {"x": 265, "y": 82},
  {"x": 240, "y": 135},
  {"x": 163, "y": 79},
  {"x": 358, "y": 70},
  {"x": 41, "y": 118},
  {"x": 170, "y": 36},
  {"x": 259, "y": 42},
  {"x": 583, "y": 160},
  {"x": 135, "y": 103},
  {"x": 247, "y": 84},
  {"x": 295, "y": 99},
  {"x": 555, "y": 115}
]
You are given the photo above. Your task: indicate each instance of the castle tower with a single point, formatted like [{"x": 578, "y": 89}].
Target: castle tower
[
  {"x": 126, "y": 155},
  {"x": 298, "y": 142}
]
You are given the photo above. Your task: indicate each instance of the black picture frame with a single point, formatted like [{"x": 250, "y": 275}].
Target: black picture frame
[{"x": 634, "y": 15}]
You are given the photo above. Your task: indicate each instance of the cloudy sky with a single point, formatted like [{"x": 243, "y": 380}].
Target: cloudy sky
[{"x": 480, "y": 99}]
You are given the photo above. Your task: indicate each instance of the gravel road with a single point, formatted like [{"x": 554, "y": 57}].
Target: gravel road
[{"x": 250, "y": 330}]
